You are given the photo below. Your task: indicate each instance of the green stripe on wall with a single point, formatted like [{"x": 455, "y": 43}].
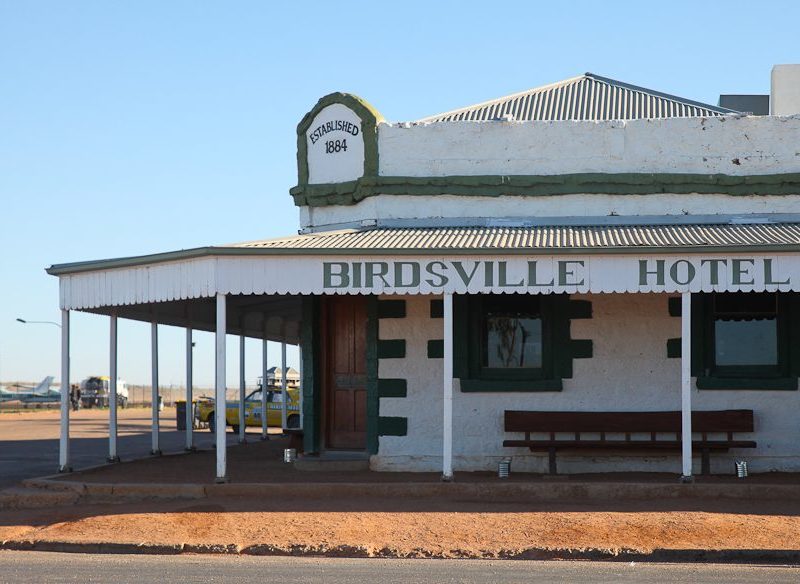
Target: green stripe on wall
[
  {"x": 436, "y": 349},
  {"x": 392, "y": 388},
  {"x": 392, "y": 426},
  {"x": 675, "y": 306},
  {"x": 350, "y": 193},
  {"x": 581, "y": 348},
  {"x": 391, "y": 349},
  {"x": 391, "y": 308}
]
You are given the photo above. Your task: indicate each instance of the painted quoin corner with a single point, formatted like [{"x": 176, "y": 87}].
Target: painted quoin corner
[{"x": 589, "y": 276}]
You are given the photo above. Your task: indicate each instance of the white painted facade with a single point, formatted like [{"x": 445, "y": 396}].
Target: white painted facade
[
  {"x": 731, "y": 145},
  {"x": 629, "y": 370}
]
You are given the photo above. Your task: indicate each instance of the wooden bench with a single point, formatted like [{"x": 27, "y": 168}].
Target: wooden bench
[{"x": 623, "y": 425}]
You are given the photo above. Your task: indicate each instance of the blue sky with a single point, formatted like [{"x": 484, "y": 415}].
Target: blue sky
[{"x": 138, "y": 127}]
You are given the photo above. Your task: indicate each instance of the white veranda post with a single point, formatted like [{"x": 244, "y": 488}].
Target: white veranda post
[
  {"x": 686, "y": 385},
  {"x": 264, "y": 367},
  {"x": 284, "y": 394},
  {"x": 242, "y": 391},
  {"x": 63, "y": 443},
  {"x": 447, "y": 421},
  {"x": 155, "y": 449},
  {"x": 189, "y": 391},
  {"x": 219, "y": 388},
  {"x": 113, "y": 456}
]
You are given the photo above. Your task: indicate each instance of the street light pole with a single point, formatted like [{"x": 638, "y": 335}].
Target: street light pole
[{"x": 23, "y": 321}]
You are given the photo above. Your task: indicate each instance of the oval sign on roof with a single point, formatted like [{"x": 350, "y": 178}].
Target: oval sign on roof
[{"x": 335, "y": 141}]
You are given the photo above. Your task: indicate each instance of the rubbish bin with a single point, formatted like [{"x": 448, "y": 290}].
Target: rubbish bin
[
  {"x": 180, "y": 414},
  {"x": 161, "y": 403}
]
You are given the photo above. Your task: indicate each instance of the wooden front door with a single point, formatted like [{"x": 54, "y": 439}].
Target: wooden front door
[{"x": 345, "y": 377}]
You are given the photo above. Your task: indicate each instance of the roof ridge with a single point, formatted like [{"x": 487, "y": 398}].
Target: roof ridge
[
  {"x": 476, "y": 111},
  {"x": 504, "y": 97},
  {"x": 653, "y": 92}
]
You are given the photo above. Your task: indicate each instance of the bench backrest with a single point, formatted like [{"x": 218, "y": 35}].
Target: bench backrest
[{"x": 708, "y": 421}]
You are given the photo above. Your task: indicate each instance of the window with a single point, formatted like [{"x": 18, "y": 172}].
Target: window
[
  {"x": 512, "y": 342},
  {"x": 512, "y": 334},
  {"x": 743, "y": 340}
]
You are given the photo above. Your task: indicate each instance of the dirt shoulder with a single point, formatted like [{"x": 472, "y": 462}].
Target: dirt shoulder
[{"x": 414, "y": 527}]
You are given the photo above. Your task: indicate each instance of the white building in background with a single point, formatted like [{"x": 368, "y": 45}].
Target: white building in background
[{"x": 589, "y": 270}]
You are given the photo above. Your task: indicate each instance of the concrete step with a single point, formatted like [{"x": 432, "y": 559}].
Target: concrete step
[
  {"x": 337, "y": 464},
  {"x": 31, "y": 498}
]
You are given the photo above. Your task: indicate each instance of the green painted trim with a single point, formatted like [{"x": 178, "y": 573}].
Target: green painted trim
[
  {"x": 370, "y": 118},
  {"x": 311, "y": 386},
  {"x": 675, "y": 306},
  {"x": 391, "y": 348},
  {"x": 373, "y": 392},
  {"x": 392, "y": 426},
  {"x": 793, "y": 316},
  {"x": 392, "y": 388},
  {"x": 437, "y": 308},
  {"x": 582, "y": 348},
  {"x": 752, "y": 377},
  {"x": 483, "y": 385},
  {"x": 580, "y": 309},
  {"x": 436, "y": 349},
  {"x": 391, "y": 308},
  {"x": 371, "y": 185},
  {"x": 674, "y": 348},
  {"x": 779, "y": 383}
]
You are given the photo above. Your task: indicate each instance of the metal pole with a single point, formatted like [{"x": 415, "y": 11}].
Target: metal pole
[
  {"x": 284, "y": 394},
  {"x": 63, "y": 443},
  {"x": 112, "y": 392},
  {"x": 154, "y": 450},
  {"x": 447, "y": 422},
  {"x": 686, "y": 387},
  {"x": 242, "y": 390},
  {"x": 189, "y": 382},
  {"x": 219, "y": 389},
  {"x": 264, "y": 388}
]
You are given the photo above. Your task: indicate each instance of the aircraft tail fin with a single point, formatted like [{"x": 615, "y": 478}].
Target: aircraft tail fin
[{"x": 44, "y": 386}]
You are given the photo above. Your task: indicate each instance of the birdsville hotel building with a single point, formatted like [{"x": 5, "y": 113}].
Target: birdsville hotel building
[{"x": 587, "y": 277}]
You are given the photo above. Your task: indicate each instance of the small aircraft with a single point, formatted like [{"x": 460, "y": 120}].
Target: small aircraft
[{"x": 39, "y": 394}]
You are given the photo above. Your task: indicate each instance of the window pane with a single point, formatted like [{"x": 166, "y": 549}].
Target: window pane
[
  {"x": 746, "y": 342},
  {"x": 513, "y": 341}
]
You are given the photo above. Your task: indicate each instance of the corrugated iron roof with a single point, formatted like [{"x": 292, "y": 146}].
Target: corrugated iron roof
[
  {"x": 586, "y": 97},
  {"x": 538, "y": 238}
]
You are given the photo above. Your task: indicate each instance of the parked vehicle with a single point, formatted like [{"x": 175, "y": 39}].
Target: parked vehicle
[
  {"x": 252, "y": 407},
  {"x": 95, "y": 391}
]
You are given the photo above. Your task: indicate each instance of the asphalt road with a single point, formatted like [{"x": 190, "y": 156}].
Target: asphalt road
[
  {"x": 29, "y": 440},
  {"x": 47, "y": 568}
]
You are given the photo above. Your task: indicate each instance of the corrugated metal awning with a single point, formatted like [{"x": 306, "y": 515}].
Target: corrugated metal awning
[
  {"x": 586, "y": 97},
  {"x": 537, "y": 239},
  {"x": 533, "y": 259}
]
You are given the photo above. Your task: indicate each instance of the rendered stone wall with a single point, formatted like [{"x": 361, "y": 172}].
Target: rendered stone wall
[
  {"x": 629, "y": 370},
  {"x": 756, "y": 145}
]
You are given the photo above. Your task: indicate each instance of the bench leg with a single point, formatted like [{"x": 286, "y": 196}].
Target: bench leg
[
  {"x": 705, "y": 464},
  {"x": 552, "y": 460}
]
